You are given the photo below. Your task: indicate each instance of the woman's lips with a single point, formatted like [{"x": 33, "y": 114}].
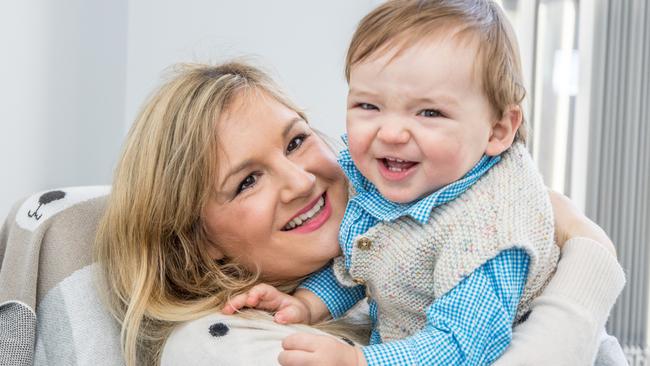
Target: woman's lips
[
  {"x": 308, "y": 207},
  {"x": 316, "y": 221}
]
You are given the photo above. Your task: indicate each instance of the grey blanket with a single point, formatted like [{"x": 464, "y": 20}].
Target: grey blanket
[{"x": 46, "y": 273}]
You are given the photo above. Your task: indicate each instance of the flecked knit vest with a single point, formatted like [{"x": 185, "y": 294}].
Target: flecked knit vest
[{"x": 406, "y": 265}]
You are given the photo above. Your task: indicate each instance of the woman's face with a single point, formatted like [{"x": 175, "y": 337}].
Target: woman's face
[{"x": 280, "y": 195}]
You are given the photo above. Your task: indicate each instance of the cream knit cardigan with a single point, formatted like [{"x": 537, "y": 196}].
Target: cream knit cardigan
[{"x": 406, "y": 265}]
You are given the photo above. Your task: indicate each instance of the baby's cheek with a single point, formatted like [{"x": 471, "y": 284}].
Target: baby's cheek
[
  {"x": 360, "y": 153},
  {"x": 360, "y": 135},
  {"x": 444, "y": 152},
  {"x": 356, "y": 144}
]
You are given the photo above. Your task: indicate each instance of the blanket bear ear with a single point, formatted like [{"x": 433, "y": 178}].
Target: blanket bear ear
[{"x": 43, "y": 205}]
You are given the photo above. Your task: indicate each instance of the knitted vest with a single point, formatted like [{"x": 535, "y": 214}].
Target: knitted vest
[{"x": 406, "y": 266}]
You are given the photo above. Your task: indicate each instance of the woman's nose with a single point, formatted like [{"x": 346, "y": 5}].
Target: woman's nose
[
  {"x": 298, "y": 182},
  {"x": 393, "y": 132}
]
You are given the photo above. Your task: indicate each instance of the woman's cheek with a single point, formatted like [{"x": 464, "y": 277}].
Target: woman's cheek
[
  {"x": 324, "y": 158},
  {"x": 258, "y": 211}
]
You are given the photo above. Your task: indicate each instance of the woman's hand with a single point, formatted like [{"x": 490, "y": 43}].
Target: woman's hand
[{"x": 571, "y": 223}]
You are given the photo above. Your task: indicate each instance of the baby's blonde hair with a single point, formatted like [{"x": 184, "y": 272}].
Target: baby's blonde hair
[
  {"x": 151, "y": 243},
  {"x": 402, "y": 23}
]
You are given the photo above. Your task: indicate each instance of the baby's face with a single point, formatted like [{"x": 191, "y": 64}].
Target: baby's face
[{"x": 418, "y": 121}]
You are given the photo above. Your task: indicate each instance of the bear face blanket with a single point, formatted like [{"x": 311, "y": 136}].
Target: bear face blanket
[{"x": 46, "y": 273}]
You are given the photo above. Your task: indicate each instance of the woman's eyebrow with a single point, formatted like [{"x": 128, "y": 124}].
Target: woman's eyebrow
[
  {"x": 290, "y": 125},
  {"x": 248, "y": 162},
  {"x": 234, "y": 171}
]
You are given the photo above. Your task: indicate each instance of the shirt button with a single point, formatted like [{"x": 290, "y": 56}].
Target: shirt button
[
  {"x": 364, "y": 243},
  {"x": 358, "y": 281}
]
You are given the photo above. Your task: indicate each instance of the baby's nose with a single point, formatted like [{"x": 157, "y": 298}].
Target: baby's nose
[{"x": 393, "y": 133}]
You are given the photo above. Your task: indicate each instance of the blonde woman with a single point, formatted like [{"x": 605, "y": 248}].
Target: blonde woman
[{"x": 214, "y": 170}]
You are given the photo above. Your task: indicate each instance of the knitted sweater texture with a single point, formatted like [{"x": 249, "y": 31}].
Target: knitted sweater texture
[{"x": 406, "y": 266}]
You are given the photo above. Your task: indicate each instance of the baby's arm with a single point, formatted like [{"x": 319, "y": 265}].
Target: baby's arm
[
  {"x": 315, "y": 300},
  {"x": 338, "y": 298}
]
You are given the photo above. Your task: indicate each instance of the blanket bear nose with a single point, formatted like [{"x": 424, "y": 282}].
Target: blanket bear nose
[{"x": 218, "y": 329}]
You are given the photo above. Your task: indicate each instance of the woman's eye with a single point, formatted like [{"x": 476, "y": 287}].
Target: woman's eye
[
  {"x": 430, "y": 113},
  {"x": 296, "y": 142},
  {"x": 247, "y": 183},
  {"x": 368, "y": 107}
]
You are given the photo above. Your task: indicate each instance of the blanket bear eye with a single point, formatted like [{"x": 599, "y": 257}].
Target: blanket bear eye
[{"x": 218, "y": 329}]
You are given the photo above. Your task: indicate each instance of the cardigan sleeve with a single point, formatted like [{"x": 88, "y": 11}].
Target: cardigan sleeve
[
  {"x": 470, "y": 325},
  {"x": 567, "y": 319}
]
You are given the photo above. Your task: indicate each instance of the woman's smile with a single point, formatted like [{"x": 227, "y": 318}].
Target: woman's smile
[{"x": 312, "y": 217}]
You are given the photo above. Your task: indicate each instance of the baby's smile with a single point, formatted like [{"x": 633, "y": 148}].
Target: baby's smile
[{"x": 395, "y": 169}]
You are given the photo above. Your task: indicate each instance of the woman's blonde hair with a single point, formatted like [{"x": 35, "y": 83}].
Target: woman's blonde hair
[
  {"x": 151, "y": 242},
  {"x": 401, "y": 23}
]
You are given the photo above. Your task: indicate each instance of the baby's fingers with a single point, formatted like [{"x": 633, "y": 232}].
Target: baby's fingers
[
  {"x": 265, "y": 297},
  {"x": 302, "y": 342},
  {"x": 294, "y": 358},
  {"x": 290, "y": 315},
  {"x": 235, "y": 303}
]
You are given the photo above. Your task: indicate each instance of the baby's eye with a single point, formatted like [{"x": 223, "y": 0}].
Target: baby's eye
[
  {"x": 247, "y": 183},
  {"x": 368, "y": 106},
  {"x": 430, "y": 113},
  {"x": 296, "y": 142}
]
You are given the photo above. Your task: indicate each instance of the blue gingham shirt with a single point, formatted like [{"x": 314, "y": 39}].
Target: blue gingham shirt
[{"x": 470, "y": 325}]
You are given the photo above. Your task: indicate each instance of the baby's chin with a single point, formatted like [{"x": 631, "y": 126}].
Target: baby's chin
[{"x": 401, "y": 194}]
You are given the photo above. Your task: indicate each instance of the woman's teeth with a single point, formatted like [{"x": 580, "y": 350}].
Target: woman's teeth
[{"x": 299, "y": 220}]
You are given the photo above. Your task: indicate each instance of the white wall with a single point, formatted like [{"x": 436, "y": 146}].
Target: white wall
[
  {"x": 62, "y": 89},
  {"x": 74, "y": 73},
  {"x": 302, "y": 43}
]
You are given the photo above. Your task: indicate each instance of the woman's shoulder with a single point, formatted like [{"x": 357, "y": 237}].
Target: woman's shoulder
[{"x": 252, "y": 338}]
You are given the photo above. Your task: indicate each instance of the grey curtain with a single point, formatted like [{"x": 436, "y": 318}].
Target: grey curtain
[{"x": 618, "y": 191}]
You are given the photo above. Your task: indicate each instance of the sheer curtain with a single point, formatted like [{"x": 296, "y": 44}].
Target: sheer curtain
[{"x": 587, "y": 73}]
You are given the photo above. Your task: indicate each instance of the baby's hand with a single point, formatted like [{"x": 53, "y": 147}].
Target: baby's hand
[
  {"x": 302, "y": 349},
  {"x": 287, "y": 308}
]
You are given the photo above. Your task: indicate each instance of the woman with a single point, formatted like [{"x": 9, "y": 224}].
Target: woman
[{"x": 216, "y": 167}]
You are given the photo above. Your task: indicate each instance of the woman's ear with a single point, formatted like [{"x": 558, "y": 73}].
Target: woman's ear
[
  {"x": 504, "y": 131},
  {"x": 214, "y": 251}
]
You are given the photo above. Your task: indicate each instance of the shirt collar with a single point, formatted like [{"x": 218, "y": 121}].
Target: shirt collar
[{"x": 370, "y": 200}]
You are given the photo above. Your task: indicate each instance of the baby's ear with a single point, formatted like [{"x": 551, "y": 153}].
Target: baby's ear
[{"x": 504, "y": 131}]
